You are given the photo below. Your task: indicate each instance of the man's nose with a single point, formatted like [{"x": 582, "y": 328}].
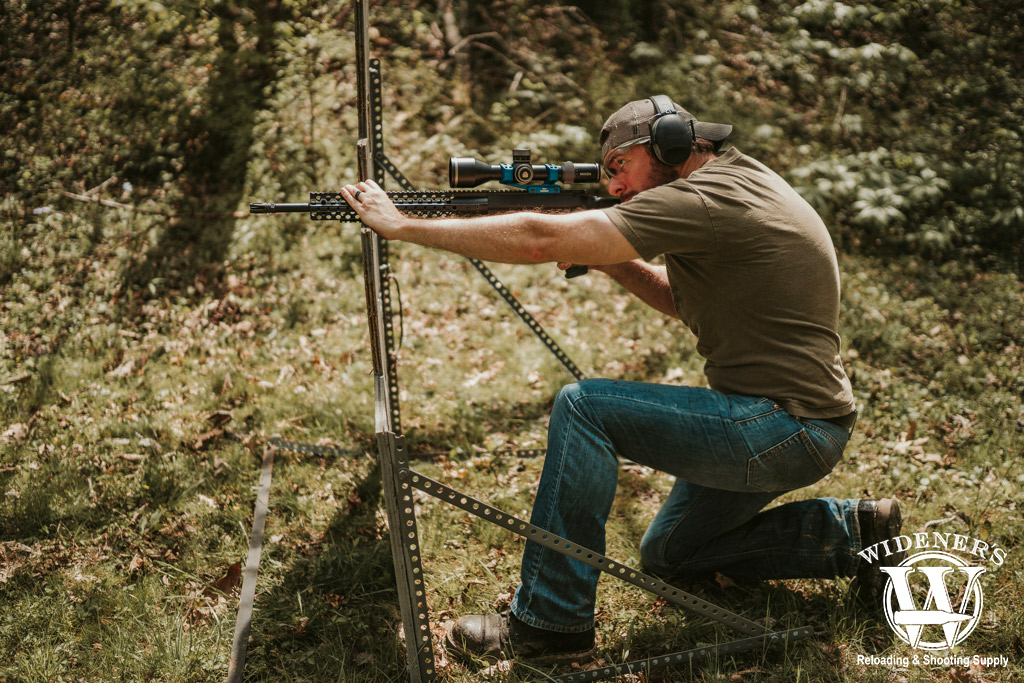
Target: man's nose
[{"x": 616, "y": 187}]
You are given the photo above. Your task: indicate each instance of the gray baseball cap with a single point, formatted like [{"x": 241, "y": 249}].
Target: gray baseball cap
[{"x": 632, "y": 124}]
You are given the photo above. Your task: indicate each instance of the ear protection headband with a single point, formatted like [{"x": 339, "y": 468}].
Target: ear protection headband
[{"x": 671, "y": 133}]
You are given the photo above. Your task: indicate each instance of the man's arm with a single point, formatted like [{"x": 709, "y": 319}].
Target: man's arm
[{"x": 585, "y": 237}]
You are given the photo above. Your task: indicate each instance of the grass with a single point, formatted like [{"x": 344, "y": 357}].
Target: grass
[{"x": 133, "y": 422}]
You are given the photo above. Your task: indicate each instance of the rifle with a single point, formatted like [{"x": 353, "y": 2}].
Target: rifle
[{"x": 536, "y": 189}]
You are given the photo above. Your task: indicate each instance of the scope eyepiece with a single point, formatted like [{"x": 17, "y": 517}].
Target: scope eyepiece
[{"x": 469, "y": 172}]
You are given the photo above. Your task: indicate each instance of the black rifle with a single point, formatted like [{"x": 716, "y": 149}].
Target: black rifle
[{"x": 538, "y": 191}]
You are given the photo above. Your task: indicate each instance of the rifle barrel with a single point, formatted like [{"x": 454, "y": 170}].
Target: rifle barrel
[{"x": 279, "y": 208}]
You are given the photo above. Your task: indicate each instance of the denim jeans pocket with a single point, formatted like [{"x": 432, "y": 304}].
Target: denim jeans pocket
[{"x": 789, "y": 465}]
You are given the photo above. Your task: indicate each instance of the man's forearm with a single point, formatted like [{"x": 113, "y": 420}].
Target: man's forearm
[
  {"x": 648, "y": 283},
  {"x": 506, "y": 238}
]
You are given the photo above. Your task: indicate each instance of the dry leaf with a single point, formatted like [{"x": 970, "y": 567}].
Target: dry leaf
[
  {"x": 204, "y": 440},
  {"x": 122, "y": 370},
  {"x": 16, "y": 432},
  {"x": 219, "y": 418},
  {"x": 226, "y": 583}
]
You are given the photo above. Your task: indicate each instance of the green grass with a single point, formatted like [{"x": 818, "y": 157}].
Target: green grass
[{"x": 121, "y": 505}]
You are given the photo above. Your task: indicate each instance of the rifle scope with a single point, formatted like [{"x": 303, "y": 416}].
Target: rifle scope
[{"x": 469, "y": 172}]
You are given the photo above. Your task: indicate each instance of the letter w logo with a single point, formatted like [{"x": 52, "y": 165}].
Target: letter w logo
[{"x": 937, "y": 609}]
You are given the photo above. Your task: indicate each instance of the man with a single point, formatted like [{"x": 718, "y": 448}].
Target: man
[{"x": 751, "y": 269}]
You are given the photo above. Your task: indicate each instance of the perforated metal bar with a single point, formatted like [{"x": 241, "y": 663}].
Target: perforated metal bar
[
  {"x": 589, "y": 557},
  {"x": 405, "y": 545},
  {"x": 497, "y": 285},
  {"x": 530, "y": 321},
  {"x": 332, "y": 451},
  {"x": 312, "y": 449},
  {"x": 408, "y": 574},
  {"x": 687, "y": 656},
  {"x": 377, "y": 131}
]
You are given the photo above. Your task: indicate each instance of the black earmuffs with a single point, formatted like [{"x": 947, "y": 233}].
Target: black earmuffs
[{"x": 671, "y": 134}]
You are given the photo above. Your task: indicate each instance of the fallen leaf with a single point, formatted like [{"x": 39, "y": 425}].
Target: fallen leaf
[
  {"x": 723, "y": 581},
  {"x": 219, "y": 418},
  {"x": 122, "y": 370},
  {"x": 226, "y": 583},
  {"x": 203, "y": 440},
  {"x": 16, "y": 432}
]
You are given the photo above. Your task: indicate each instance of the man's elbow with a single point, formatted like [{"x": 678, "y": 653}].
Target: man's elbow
[
  {"x": 546, "y": 243},
  {"x": 544, "y": 250}
]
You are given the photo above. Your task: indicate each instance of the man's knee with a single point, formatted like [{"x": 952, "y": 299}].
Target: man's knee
[
  {"x": 651, "y": 554},
  {"x": 655, "y": 556},
  {"x": 573, "y": 397},
  {"x": 571, "y": 393},
  {"x": 567, "y": 395}
]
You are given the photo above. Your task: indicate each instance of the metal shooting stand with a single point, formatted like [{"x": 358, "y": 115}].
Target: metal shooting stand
[{"x": 400, "y": 480}]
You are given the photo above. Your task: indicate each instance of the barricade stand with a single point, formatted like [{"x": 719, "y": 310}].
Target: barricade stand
[{"x": 400, "y": 479}]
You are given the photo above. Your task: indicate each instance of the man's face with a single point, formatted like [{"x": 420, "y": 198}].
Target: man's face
[{"x": 633, "y": 169}]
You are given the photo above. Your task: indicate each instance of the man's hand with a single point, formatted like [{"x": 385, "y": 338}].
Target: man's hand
[{"x": 375, "y": 208}]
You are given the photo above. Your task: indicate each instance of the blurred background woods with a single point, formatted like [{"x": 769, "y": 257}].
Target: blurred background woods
[{"x": 900, "y": 121}]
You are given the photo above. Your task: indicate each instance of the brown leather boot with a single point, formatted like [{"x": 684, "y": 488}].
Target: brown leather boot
[
  {"x": 503, "y": 636},
  {"x": 879, "y": 521}
]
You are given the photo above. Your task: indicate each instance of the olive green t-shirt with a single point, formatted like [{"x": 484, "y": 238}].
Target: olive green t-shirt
[{"x": 754, "y": 275}]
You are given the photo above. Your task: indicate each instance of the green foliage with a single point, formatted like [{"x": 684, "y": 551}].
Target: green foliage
[{"x": 881, "y": 198}]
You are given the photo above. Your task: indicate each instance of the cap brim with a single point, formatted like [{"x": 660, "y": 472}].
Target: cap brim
[
  {"x": 715, "y": 132},
  {"x": 627, "y": 143}
]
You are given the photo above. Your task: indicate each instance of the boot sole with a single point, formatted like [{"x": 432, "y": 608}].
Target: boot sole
[
  {"x": 540, "y": 660},
  {"x": 889, "y": 509}
]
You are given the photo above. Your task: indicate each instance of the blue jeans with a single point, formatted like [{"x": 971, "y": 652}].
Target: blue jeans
[{"x": 731, "y": 455}]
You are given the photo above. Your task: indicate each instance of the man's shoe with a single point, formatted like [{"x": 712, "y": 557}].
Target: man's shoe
[
  {"x": 503, "y": 636},
  {"x": 879, "y": 521}
]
